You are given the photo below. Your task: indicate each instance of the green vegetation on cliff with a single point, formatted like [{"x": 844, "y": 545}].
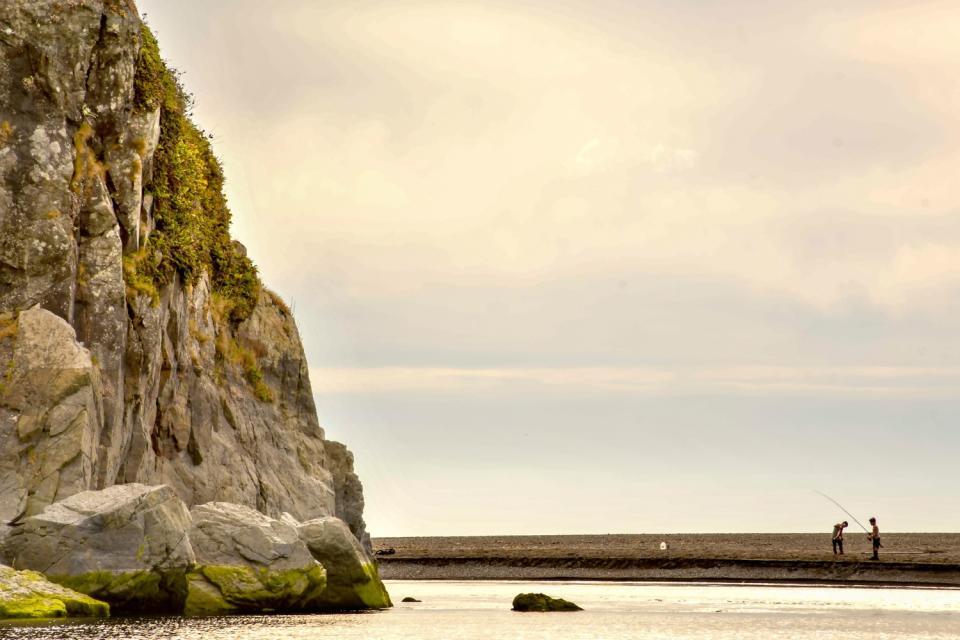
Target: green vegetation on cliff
[{"x": 192, "y": 234}]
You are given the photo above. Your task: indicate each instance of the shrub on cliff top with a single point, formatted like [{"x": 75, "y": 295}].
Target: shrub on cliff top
[{"x": 192, "y": 233}]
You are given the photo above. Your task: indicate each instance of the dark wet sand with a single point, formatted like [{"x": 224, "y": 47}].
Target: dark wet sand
[{"x": 931, "y": 559}]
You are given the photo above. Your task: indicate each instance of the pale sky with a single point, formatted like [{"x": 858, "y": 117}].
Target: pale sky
[{"x": 606, "y": 265}]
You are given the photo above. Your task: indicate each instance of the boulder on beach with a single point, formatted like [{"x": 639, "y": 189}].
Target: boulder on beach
[
  {"x": 542, "y": 602},
  {"x": 126, "y": 545},
  {"x": 249, "y": 562},
  {"x": 409, "y": 599},
  {"x": 353, "y": 581},
  {"x": 28, "y": 595}
]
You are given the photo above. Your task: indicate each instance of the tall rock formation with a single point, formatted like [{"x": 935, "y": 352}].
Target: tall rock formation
[{"x": 136, "y": 342}]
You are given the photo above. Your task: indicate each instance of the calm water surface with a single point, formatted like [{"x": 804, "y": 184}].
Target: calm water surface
[{"x": 481, "y": 610}]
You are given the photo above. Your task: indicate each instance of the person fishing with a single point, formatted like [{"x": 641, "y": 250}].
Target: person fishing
[
  {"x": 875, "y": 537},
  {"x": 838, "y": 537}
]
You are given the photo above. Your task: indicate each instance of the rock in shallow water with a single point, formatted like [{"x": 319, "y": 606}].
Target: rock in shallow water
[
  {"x": 126, "y": 545},
  {"x": 249, "y": 562},
  {"x": 353, "y": 581},
  {"x": 27, "y": 594},
  {"x": 138, "y": 548},
  {"x": 542, "y": 602}
]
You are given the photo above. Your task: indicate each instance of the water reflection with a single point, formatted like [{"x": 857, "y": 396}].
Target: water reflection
[{"x": 480, "y": 611}]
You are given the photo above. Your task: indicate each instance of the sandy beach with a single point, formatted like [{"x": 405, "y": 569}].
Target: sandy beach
[{"x": 907, "y": 558}]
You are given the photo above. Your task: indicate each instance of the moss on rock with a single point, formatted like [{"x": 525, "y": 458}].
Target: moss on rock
[
  {"x": 218, "y": 589},
  {"x": 131, "y": 591},
  {"x": 356, "y": 592},
  {"x": 28, "y": 595},
  {"x": 205, "y": 598},
  {"x": 372, "y": 592},
  {"x": 542, "y": 602}
]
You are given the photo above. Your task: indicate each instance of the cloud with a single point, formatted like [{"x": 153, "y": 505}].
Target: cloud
[
  {"x": 903, "y": 35},
  {"x": 778, "y": 381},
  {"x": 425, "y": 145},
  {"x": 502, "y": 143},
  {"x": 586, "y": 245}
]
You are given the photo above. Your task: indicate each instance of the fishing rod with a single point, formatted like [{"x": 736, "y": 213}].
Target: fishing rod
[{"x": 842, "y": 509}]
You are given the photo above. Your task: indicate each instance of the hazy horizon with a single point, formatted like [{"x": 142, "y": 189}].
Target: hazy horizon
[{"x": 608, "y": 266}]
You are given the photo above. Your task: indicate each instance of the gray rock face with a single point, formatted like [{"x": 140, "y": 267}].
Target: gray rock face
[
  {"x": 151, "y": 392},
  {"x": 352, "y": 578},
  {"x": 127, "y": 545},
  {"x": 348, "y": 492},
  {"x": 50, "y": 413},
  {"x": 249, "y": 562},
  {"x": 199, "y": 428}
]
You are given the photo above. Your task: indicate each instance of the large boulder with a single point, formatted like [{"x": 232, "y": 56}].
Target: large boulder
[
  {"x": 27, "y": 594},
  {"x": 353, "y": 581},
  {"x": 249, "y": 562},
  {"x": 126, "y": 545}
]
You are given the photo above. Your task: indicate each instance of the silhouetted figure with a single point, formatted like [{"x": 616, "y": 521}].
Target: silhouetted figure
[
  {"x": 875, "y": 537},
  {"x": 838, "y": 537}
]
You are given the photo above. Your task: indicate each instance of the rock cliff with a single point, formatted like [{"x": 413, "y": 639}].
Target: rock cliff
[{"x": 137, "y": 344}]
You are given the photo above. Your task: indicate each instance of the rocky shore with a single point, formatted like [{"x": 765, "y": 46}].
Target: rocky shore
[
  {"x": 140, "y": 550},
  {"x": 907, "y": 560}
]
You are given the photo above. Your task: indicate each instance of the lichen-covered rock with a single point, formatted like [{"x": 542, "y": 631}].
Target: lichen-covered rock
[
  {"x": 69, "y": 70},
  {"x": 353, "y": 581},
  {"x": 176, "y": 386},
  {"x": 542, "y": 602},
  {"x": 126, "y": 545},
  {"x": 27, "y": 594},
  {"x": 50, "y": 412},
  {"x": 248, "y": 562}
]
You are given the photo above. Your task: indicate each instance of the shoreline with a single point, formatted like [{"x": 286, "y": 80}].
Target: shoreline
[
  {"x": 694, "y": 558},
  {"x": 719, "y": 582},
  {"x": 703, "y": 570}
]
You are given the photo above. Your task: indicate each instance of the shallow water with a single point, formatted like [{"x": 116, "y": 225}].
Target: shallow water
[{"x": 613, "y": 611}]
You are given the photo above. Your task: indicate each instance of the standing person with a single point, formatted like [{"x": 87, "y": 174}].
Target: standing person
[
  {"x": 838, "y": 537},
  {"x": 875, "y": 537}
]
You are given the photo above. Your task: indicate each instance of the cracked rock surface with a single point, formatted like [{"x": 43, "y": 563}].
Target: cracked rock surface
[
  {"x": 127, "y": 545},
  {"x": 248, "y": 561}
]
